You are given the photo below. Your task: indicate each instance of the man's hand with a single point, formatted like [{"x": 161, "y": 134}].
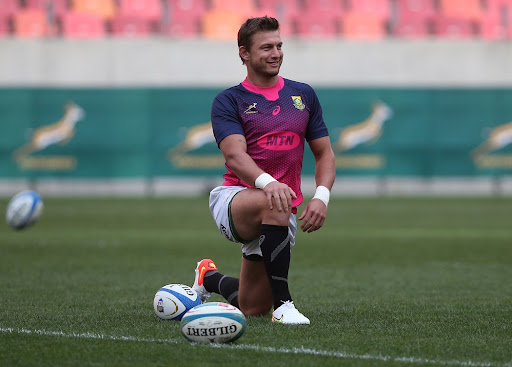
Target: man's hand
[
  {"x": 313, "y": 216},
  {"x": 279, "y": 194}
]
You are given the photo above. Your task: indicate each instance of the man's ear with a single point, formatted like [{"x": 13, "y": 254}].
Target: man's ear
[{"x": 244, "y": 54}]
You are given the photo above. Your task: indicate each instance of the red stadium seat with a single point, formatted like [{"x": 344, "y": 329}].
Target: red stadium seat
[
  {"x": 82, "y": 25},
  {"x": 284, "y": 10},
  {"x": 128, "y": 26},
  {"x": 150, "y": 10},
  {"x": 453, "y": 28},
  {"x": 30, "y": 23}
]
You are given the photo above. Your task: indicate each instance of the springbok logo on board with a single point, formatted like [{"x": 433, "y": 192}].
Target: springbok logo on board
[
  {"x": 484, "y": 155},
  {"x": 196, "y": 137},
  {"x": 365, "y": 132},
  {"x": 60, "y": 132}
]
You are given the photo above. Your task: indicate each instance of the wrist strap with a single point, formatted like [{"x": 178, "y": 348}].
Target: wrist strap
[
  {"x": 263, "y": 180},
  {"x": 323, "y": 194}
]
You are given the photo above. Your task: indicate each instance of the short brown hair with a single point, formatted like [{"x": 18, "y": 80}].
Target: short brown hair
[{"x": 252, "y": 26}]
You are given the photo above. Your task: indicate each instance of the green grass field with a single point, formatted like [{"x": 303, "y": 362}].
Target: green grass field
[{"x": 386, "y": 282}]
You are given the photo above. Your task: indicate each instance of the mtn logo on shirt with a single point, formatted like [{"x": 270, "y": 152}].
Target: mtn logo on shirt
[{"x": 280, "y": 140}]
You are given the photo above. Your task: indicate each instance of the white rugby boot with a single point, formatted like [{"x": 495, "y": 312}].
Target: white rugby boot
[{"x": 288, "y": 314}]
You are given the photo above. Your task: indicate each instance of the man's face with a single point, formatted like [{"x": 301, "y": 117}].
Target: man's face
[{"x": 265, "y": 55}]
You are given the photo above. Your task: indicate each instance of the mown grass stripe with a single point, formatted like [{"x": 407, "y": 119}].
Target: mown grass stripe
[{"x": 257, "y": 348}]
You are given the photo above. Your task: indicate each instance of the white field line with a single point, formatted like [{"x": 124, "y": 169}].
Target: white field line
[{"x": 257, "y": 348}]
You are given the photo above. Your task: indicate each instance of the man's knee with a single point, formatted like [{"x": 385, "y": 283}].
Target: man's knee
[{"x": 259, "y": 309}]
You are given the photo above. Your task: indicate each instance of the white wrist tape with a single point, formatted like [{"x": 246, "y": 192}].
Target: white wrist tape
[
  {"x": 323, "y": 194},
  {"x": 263, "y": 180}
]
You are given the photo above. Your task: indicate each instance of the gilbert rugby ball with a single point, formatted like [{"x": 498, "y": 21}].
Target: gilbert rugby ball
[
  {"x": 173, "y": 300},
  {"x": 213, "y": 322},
  {"x": 24, "y": 209}
]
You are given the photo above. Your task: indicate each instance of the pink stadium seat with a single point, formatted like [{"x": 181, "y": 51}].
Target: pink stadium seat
[
  {"x": 106, "y": 9},
  {"x": 375, "y": 8},
  {"x": 411, "y": 28},
  {"x": 30, "y": 23},
  {"x": 4, "y": 27},
  {"x": 244, "y": 7},
  {"x": 56, "y": 8},
  {"x": 150, "y": 10},
  {"x": 182, "y": 28},
  {"x": 284, "y": 10},
  {"x": 82, "y": 25},
  {"x": 465, "y": 9},
  {"x": 412, "y": 18},
  {"x": 221, "y": 25},
  {"x": 128, "y": 26},
  {"x": 8, "y": 8},
  {"x": 453, "y": 28},
  {"x": 182, "y": 18},
  {"x": 361, "y": 26},
  {"x": 316, "y": 26},
  {"x": 324, "y": 8},
  {"x": 408, "y": 10}
]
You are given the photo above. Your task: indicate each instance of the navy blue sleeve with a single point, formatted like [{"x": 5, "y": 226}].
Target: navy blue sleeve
[
  {"x": 224, "y": 116},
  {"x": 316, "y": 127}
]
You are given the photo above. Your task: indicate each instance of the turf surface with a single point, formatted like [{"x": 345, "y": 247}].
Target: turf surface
[{"x": 386, "y": 282}]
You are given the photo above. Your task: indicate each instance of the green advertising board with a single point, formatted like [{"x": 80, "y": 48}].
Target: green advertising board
[{"x": 160, "y": 132}]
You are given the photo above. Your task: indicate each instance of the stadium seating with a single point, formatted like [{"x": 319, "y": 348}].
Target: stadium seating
[
  {"x": 82, "y": 25},
  {"x": 488, "y": 20},
  {"x": 54, "y": 8},
  {"x": 8, "y": 8},
  {"x": 106, "y": 9},
  {"x": 363, "y": 27},
  {"x": 130, "y": 26},
  {"x": 182, "y": 18},
  {"x": 30, "y": 23},
  {"x": 4, "y": 27},
  {"x": 149, "y": 10},
  {"x": 464, "y": 9},
  {"x": 245, "y": 8},
  {"x": 453, "y": 27},
  {"x": 221, "y": 25}
]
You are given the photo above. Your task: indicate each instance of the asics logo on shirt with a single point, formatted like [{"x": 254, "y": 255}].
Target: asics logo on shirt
[
  {"x": 251, "y": 109},
  {"x": 276, "y": 110}
]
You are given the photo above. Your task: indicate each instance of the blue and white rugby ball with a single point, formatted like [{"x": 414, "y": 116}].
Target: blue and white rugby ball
[
  {"x": 173, "y": 300},
  {"x": 24, "y": 209},
  {"x": 213, "y": 322}
]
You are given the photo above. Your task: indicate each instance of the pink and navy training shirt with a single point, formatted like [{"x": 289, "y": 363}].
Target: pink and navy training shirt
[{"x": 276, "y": 121}]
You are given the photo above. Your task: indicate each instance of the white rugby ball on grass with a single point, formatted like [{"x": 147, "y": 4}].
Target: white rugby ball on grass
[
  {"x": 213, "y": 322},
  {"x": 24, "y": 209},
  {"x": 173, "y": 300}
]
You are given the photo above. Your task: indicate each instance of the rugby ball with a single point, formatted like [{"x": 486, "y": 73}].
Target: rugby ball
[
  {"x": 173, "y": 300},
  {"x": 24, "y": 209},
  {"x": 213, "y": 322}
]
